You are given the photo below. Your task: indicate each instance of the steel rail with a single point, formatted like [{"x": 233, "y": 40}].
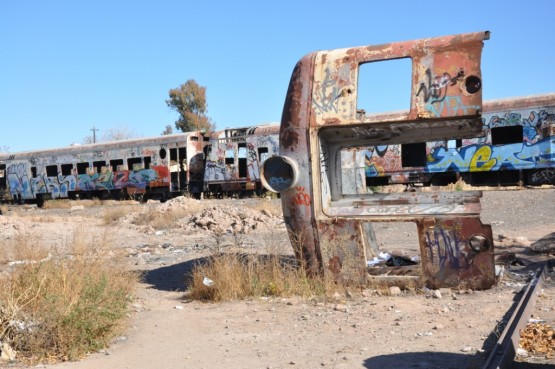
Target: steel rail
[{"x": 503, "y": 354}]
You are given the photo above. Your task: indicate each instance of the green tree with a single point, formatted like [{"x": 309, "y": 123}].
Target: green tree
[{"x": 189, "y": 100}]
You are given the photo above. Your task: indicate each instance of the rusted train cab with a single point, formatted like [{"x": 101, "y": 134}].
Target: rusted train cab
[
  {"x": 234, "y": 157},
  {"x": 159, "y": 167},
  {"x": 326, "y": 207}
]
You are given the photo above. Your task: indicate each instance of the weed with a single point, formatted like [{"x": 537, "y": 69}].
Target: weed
[{"x": 60, "y": 308}]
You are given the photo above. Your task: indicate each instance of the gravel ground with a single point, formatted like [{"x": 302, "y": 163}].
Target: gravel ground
[{"x": 413, "y": 329}]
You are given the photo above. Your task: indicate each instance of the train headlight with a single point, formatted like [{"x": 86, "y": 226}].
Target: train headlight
[
  {"x": 479, "y": 243},
  {"x": 279, "y": 173}
]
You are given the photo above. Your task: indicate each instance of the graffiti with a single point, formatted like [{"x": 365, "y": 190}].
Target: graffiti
[
  {"x": 301, "y": 197},
  {"x": 545, "y": 176},
  {"x": 531, "y": 126},
  {"x": 382, "y": 159},
  {"x": 436, "y": 88},
  {"x": 450, "y": 106},
  {"x": 279, "y": 182},
  {"x": 429, "y": 209},
  {"x": 216, "y": 171},
  {"x": 476, "y": 158},
  {"x": 446, "y": 249},
  {"x": 57, "y": 187},
  {"x": 327, "y": 94},
  {"x": 18, "y": 181}
]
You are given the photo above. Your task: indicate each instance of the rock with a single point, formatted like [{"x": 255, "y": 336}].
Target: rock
[
  {"x": 394, "y": 291},
  {"x": 8, "y": 354},
  {"x": 342, "y": 308},
  {"x": 436, "y": 294},
  {"x": 545, "y": 245},
  {"x": 466, "y": 349}
]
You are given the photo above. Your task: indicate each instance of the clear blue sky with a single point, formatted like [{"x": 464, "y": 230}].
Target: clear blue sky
[{"x": 66, "y": 66}]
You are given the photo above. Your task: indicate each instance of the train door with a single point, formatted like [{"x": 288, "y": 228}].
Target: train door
[
  {"x": 2, "y": 180},
  {"x": 242, "y": 159},
  {"x": 182, "y": 151},
  {"x": 174, "y": 171},
  {"x": 178, "y": 169}
]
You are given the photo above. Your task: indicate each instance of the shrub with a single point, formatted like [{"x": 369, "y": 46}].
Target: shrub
[{"x": 60, "y": 308}]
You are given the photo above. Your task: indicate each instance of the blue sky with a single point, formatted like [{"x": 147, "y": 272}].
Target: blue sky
[{"x": 66, "y": 66}]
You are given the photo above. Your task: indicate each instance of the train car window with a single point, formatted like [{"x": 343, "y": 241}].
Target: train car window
[
  {"x": 506, "y": 135},
  {"x": 262, "y": 154},
  {"x": 98, "y": 165},
  {"x": 51, "y": 170},
  {"x": 413, "y": 154},
  {"x": 82, "y": 168},
  {"x": 116, "y": 164},
  {"x": 206, "y": 139},
  {"x": 229, "y": 157},
  {"x": 2, "y": 170},
  {"x": 182, "y": 154},
  {"x": 66, "y": 169},
  {"x": 194, "y": 138},
  {"x": 242, "y": 150},
  {"x": 242, "y": 158},
  {"x": 375, "y": 97},
  {"x": 134, "y": 164},
  {"x": 34, "y": 172},
  {"x": 147, "y": 161},
  {"x": 173, "y": 156},
  {"x": 163, "y": 153}
]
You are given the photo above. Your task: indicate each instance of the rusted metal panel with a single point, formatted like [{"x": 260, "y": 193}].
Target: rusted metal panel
[
  {"x": 326, "y": 213},
  {"x": 456, "y": 251}
]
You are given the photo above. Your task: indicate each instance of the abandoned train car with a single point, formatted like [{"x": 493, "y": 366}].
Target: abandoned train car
[
  {"x": 517, "y": 147},
  {"x": 159, "y": 167},
  {"x": 234, "y": 158}
]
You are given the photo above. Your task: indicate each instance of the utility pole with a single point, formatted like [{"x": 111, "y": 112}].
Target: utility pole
[{"x": 94, "y": 133}]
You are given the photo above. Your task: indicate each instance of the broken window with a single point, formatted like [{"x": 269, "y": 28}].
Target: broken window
[
  {"x": 51, "y": 170},
  {"x": 134, "y": 164},
  {"x": 262, "y": 154},
  {"x": 116, "y": 164},
  {"x": 229, "y": 157},
  {"x": 376, "y": 96},
  {"x": 82, "y": 168},
  {"x": 98, "y": 166},
  {"x": 66, "y": 169},
  {"x": 242, "y": 158},
  {"x": 413, "y": 154},
  {"x": 506, "y": 135},
  {"x": 34, "y": 172}
]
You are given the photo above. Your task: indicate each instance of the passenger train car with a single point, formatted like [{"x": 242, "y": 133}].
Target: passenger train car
[
  {"x": 158, "y": 167},
  {"x": 517, "y": 148},
  {"x": 234, "y": 158}
]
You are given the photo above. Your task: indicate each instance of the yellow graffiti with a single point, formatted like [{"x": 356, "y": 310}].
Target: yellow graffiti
[{"x": 481, "y": 160}]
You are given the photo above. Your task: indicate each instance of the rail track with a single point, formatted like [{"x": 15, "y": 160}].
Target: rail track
[{"x": 503, "y": 354}]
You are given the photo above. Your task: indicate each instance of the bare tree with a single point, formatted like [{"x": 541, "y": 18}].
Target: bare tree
[
  {"x": 168, "y": 130},
  {"x": 113, "y": 134}
]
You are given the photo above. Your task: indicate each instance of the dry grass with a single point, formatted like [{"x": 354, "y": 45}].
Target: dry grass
[
  {"x": 115, "y": 213},
  {"x": 239, "y": 276},
  {"x": 58, "y": 307},
  {"x": 245, "y": 273},
  {"x": 270, "y": 206}
]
